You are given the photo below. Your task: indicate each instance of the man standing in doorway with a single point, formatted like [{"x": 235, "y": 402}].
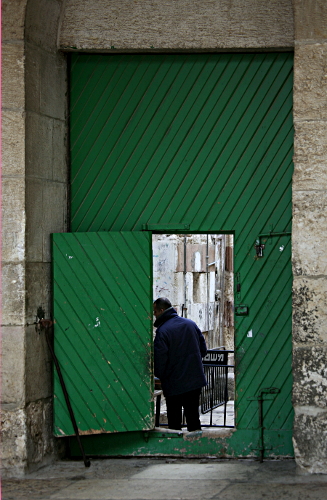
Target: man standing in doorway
[{"x": 178, "y": 350}]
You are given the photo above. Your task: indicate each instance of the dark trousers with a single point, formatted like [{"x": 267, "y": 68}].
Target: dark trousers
[{"x": 190, "y": 402}]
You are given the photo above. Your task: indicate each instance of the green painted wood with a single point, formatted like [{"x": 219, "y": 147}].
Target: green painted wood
[
  {"x": 103, "y": 331},
  {"x": 204, "y": 140}
]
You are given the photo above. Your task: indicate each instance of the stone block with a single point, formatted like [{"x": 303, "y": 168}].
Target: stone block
[
  {"x": 309, "y": 310},
  {"x": 46, "y": 214},
  {"x": 46, "y": 82},
  {"x": 60, "y": 151},
  {"x": 53, "y": 85},
  {"x": 13, "y": 294},
  {"x": 309, "y": 439},
  {"x": 310, "y": 156},
  {"x": 13, "y": 19},
  {"x": 13, "y": 217},
  {"x": 38, "y": 365},
  {"x": 38, "y": 289},
  {"x": 13, "y": 365},
  {"x": 310, "y": 82},
  {"x": 13, "y": 143},
  {"x": 13, "y": 95},
  {"x": 34, "y": 220},
  {"x": 40, "y": 442},
  {"x": 13, "y": 442},
  {"x": 309, "y": 237},
  {"x": 33, "y": 61},
  {"x": 310, "y": 20},
  {"x": 164, "y": 24},
  {"x": 39, "y": 146},
  {"x": 54, "y": 214},
  {"x": 42, "y": 18},
  {"x": 310, "y": 375}
]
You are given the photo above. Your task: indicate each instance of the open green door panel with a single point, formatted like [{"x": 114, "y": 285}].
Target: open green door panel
[{"x": 103, "y": 331}]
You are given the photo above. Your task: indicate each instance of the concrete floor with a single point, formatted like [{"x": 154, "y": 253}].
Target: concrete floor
[{"x": 167, "y": 479}]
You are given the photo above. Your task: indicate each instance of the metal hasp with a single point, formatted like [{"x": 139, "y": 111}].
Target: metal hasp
[
  {"x": 264, "y": 394},
  {"x": 259, "y": 247}
]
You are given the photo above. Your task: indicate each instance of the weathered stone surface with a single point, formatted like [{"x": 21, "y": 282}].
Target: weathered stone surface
[
  {"x": 13, "y": 95},
  {"x": 310, "y": 19},
  {"x": 310, "y": 158},
  {"x": 46, "y": 82},
  {"x": 46, "y": 214},
  {"x": 38, "y": 365},
  {"x": 309, "y": 310},
  {"x": 53, "y": 85},
  {"x": 42, "y": 17},
  {"x": 309, "y": 439},
  {"x": 13, "y": 294},
  {"x": 13, "y": 442},
  {"x": 33, "y": 61},
  {"x": 310, "y": 375},
  {"x": 46, "y": 153},
  {"x": 13, "y": 17},
  {"x": 309, "y": 237},
  {"x": 13, "y": 365},
  {"x": 55, "y": 214},
  {"x": 60, "y": 151},
  {"x": 34, "y": 218},
  {"x": 161, "y": 24},
  {"x": 38, "y": 426},
  {"x": 39, "y": 149},
  {"x": 38, "y": 290},
  {"x": 13, "y": 143},
  {"x": 13, "y": 213},
  {"x": 310, "y": 82}
]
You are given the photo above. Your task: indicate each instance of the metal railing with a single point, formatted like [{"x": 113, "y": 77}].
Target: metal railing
[{"x": 215, "y": 394}]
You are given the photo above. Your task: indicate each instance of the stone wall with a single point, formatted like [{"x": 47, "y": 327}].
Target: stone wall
[
  {"x": 34, "y": 180},
  {"x": 309, "y": 238},
  {"x": 34, "y": 204},
  {"x": 176, "y": 24}
]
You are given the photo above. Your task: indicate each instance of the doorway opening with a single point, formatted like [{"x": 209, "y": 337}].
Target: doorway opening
[{"x": 195, "y": 272}]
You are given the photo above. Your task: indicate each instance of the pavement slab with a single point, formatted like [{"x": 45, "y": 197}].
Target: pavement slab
[{"x": 167, "y": 479}]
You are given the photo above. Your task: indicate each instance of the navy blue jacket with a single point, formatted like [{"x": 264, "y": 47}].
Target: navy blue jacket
[{"x": 178, "y": 350}]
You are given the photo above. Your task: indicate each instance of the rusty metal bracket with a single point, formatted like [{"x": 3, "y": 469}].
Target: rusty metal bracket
[{"x": 264, "y": 394}]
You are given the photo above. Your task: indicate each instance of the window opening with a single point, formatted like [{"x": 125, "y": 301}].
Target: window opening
[{"x": 195, "y": 271}]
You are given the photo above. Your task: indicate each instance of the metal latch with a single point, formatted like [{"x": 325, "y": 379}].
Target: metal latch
[{"x": 264, "y": 394}]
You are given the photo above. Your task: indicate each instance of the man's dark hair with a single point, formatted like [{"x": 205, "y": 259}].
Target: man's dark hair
[{"x": 162, "y": 303}]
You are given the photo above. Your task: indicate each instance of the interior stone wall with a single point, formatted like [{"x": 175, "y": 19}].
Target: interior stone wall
[
  {"x": 34, "y": 204},
  {"x": 46, "y": 207},
  {"x": 309, "y": 238},
  {"x": 13, "y": 417}
]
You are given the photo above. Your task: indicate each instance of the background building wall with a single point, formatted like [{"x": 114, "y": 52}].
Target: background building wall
[
  {"x": 35, "y": 180},
  {"x": 181, "y": 272}
]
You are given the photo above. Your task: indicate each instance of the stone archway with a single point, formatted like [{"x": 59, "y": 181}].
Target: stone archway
[{"x": 34, "y": 183}]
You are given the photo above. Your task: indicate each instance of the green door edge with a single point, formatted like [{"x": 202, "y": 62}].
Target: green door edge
[{"x": 225, "y": 443}]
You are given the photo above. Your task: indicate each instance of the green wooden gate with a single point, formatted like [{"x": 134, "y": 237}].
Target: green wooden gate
[
  {"x": 103, "y": 331},
  {"x": 200, "y": 143}
]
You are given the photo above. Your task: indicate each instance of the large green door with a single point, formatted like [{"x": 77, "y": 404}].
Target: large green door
[
  {"x": 200, "y": 143},
  {"x": 103, "y": 331}
]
